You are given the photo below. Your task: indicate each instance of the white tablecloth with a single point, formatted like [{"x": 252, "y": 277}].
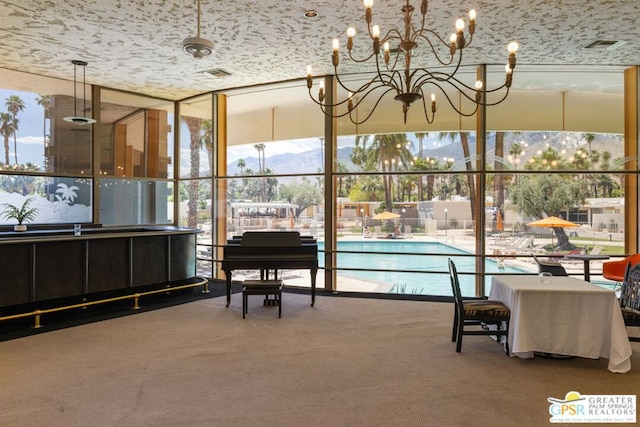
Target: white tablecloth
[{"x": 563, "y": 315}]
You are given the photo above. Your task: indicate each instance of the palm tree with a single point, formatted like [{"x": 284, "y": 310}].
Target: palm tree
[
  {"x": 194, "y": 124},
  {"x": 14, "y": 105},
  {"x": 589, "y": 137},
  {"x": 6, "y": 130},
  {"x": 241, "y": 165},
  {"x": 389, "y": 152},
  {"x": 45, "y": 102},
  {"x": 464, "y": 141},
  {"x": 262, "y": 169},
  {"x": 498, "y": 163},
  {"x": 421, "y": 136},
  {"x": 206, "y": 141}
]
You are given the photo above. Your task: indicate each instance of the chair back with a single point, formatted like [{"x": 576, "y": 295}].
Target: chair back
[
  {"x": 555, "y": 268},
  {"x": 630, "y": 291},
  {"x": 455, "y": 284}
]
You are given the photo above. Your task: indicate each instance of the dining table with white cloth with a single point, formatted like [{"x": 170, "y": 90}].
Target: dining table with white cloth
[{"x": 563, "y": 316}]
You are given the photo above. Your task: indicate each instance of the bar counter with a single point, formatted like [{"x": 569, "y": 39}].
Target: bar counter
[{"x": 42, "y": 265}]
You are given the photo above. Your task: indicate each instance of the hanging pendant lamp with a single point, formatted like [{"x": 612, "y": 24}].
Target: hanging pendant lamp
[
  {"x": 79, "y": 120},
  {"x": 197, "y": 46}
]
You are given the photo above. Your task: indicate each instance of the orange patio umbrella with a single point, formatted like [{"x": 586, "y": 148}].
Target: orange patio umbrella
[
  {"x": 386, "y": 215},
  {"x": 499, "y": 224},
  {"x": 552, "y": 221}
]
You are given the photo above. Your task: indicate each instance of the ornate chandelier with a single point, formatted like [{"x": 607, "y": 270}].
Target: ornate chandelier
[{"x": 394, "y": 73}]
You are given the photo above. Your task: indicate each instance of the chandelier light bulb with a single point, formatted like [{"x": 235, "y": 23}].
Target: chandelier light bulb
[
  {"x": 375, "y": 31},
  {"x": 368, "y": 4},
  {"x": 459, "y": 25},
  {"x": 351, "y": 32}
]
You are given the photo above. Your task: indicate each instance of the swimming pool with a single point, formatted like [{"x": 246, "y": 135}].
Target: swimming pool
[{"x": 408, "y": 273}]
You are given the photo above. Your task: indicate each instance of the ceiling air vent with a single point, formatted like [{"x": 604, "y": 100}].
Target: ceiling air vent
[
  {"x": 217, "y": 72},
  {"x": 604, "y": 44}
]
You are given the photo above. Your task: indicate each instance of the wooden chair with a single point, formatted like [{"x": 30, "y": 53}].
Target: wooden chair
[
  {"x": 553, "y": 267},
  {"x": 477, "y": 312},
  {"x": 630, "y": 297}
]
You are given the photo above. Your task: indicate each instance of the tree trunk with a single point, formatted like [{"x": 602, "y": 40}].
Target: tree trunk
[
  {"x": 195, "y": 126},
  {"x": 470, "y": 182},
  {"x": 498, "y": 179}
]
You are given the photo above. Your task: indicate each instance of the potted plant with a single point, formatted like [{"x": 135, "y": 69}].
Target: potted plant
[{"x": 22, "y": 214}]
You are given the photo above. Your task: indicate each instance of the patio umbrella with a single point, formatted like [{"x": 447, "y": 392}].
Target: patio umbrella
[
  {"x": 499, "y": 224},
  {"x": 552, "y": 221},
  {"x": 386, "y": 215}
]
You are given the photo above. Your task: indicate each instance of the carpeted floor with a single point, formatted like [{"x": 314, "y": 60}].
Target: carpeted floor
[{"x": 344, "y": 362}]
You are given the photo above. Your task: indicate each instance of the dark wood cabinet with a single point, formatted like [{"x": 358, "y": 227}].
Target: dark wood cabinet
[{"x": 39, "y": 266}]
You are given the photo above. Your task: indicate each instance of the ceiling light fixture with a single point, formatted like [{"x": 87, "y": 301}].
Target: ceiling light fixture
[
  {"x": 393, "y": 54},
  {"x": 79, "y": 120},
  {"x": 197, "y": 46}
]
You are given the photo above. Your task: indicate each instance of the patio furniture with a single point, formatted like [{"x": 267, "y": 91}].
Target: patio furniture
[
  {"x": 563, "y": 316},
  {"x": 586, "y": 258},
  {"x": 553, "y": 267},
  {"x": 476, "y": 312},
  {"x": 630, "y": 297},
  {"x": 262, "y": 287},
  {"x": 614, "y": 270}
]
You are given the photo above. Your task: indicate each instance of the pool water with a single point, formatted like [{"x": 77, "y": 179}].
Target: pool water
[{"x": 407, "y": 273}]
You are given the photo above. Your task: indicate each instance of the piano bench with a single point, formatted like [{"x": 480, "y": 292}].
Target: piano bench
[{"x": 262, "y": 287}]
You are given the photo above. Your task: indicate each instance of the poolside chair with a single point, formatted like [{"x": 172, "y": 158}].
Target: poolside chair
[
  {"x": 553, "y": 267},
  {"x": 480, "y": 313},
  {"x": 630, "y": 297},
  {"x": 407, "y": 232},
  {"x": 595, "y": 250}
]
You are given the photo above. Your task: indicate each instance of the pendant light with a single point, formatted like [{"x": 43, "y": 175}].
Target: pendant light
[
  {"x": 79, "y": 120},
  {"x": 197, "y": 46}
]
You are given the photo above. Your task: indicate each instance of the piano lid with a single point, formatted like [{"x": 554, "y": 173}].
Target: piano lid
[{"x": 271, "y": 239}]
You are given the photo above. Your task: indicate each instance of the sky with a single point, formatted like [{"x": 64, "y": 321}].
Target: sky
[{"x": 30, "y": 139}]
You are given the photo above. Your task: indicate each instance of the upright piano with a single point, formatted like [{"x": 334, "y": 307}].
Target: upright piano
[{"x": 270, "y": 251}]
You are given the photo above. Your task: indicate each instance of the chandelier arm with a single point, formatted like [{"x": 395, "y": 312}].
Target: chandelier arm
[
  {"x": 354, "y": 59},
  {"x": 362, "y": 88},
  {"x": 435, "y": 51},
  {"x": 359, "y": 122},
  {"x": 492, "y": 103},
  {"x": 451, "y": 103},
  {"x": 324, "y": 107},
  {"x": 426, "y": 112}
]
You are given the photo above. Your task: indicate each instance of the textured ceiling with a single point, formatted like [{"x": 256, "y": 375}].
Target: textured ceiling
[{"x": 135, "y": 45}]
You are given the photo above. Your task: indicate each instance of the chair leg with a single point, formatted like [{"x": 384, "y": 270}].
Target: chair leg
[
  {"x": 279, "y": 298},
  {"x": 459, "y": 336},
  {"x": 244, "y": 304},
  {"x": 455, "y": 326}
]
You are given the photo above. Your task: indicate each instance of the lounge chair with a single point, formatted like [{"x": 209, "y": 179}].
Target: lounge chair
[{"x": 407, "y": 232}]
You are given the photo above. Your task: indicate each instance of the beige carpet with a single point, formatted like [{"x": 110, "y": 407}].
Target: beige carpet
[{"x": 344, "y": 362}]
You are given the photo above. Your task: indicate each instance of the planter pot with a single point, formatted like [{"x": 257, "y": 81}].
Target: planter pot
[{"x": 19, "y": 227}]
